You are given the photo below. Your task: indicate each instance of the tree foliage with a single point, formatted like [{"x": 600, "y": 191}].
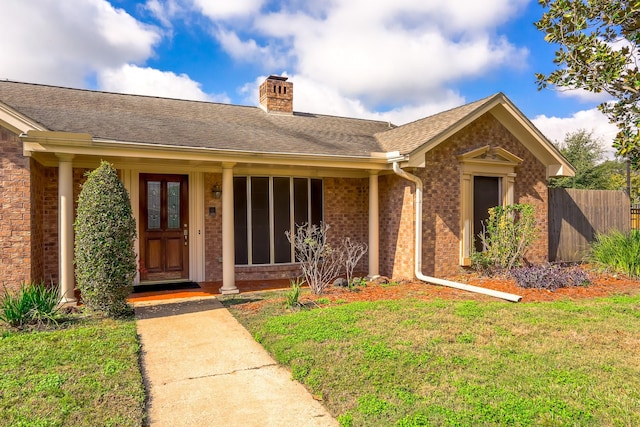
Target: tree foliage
[
  {"x": 593, "y": 171},
  {"x": 585, "y": 153},
  {"x": 597, "y": 50},
  {"x": 105, "y": 233}
]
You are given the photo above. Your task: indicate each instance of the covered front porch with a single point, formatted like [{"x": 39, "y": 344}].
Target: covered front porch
[{"x": 349, "y": 200}]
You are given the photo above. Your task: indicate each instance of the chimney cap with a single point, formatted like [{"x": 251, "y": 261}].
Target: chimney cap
[{"x": 281, "y": 78}]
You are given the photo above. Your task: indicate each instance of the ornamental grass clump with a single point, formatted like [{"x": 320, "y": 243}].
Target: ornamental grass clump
[
  {"x": 32, "y": 304},
  {"x": 549, "y": 276},
  {"x": 104, "y": 252},
  {"x": 617, "y": 251},
  {"x": 506, "y": 237},
  {"x": 292, "y": 297}
]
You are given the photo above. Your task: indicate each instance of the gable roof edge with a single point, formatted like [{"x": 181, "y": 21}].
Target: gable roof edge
[
  {"x": 17, "y": 122},
  {"x": 416, "y": 157},
  {"x": 516, "y": 122}
]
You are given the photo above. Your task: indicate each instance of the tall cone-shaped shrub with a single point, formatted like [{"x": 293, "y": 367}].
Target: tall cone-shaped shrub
[{"x": 105, "y": 232}]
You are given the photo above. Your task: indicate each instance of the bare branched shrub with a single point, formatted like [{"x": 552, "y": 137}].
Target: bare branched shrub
[
  {"x": 320, "y": 262},
  {"x": 351, "y": 253}
]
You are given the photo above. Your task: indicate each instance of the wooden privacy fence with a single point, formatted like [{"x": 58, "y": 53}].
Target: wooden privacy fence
[{"x": 575, "y": 216}]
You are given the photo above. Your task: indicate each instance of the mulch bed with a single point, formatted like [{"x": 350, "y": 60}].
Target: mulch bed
[{"x": 602, "y": 284}]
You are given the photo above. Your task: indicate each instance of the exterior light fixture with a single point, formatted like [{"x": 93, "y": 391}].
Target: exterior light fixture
[{"x": 217, "y": 191}]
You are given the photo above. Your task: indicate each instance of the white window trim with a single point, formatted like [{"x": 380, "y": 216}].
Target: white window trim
[{"x": 484, "y": 161}]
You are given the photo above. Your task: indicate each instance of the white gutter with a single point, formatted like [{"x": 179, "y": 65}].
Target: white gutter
[{"x": 418, "y": 247}]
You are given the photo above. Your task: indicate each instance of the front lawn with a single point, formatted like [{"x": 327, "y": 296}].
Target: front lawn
[
  {"x": 411, "y": 362},
  {"x": 86, "y": 374}
]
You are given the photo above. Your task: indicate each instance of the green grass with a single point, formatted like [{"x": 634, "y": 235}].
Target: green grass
[
  {"x": 86, "y": 374},
  {"x": 412, "y": 363}
]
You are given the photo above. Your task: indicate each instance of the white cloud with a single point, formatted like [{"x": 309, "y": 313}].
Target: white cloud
[
  {"x": 384, "y": 53},
  {"x": 64, "y": 42},
  {"x": 163, "y": 11},
  {"x": 398, "y": 56},
  {"x": 248, "y": 50},
  {"x": 223, "y": 9},
  {"x": 149, "y": 81},
  {"x": 556, "y": 128},
  {"x": 584, "y": 95}
]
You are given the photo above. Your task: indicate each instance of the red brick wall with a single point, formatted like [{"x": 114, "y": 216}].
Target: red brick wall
[
  {"x": 15, "y": 208},
  {"x": 37, "y": 220},
  {"x": 50, "y": 217},
  {"x": 212, "y": 229},
  {"x": 397, "y": 227},
  {"x": 50, "y": 224},
  {"x": 441, "y": 177},
  {"x": 346, "y": 211}
]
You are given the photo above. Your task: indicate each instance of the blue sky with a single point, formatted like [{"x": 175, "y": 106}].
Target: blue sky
[{"x": 395, "y": 60}]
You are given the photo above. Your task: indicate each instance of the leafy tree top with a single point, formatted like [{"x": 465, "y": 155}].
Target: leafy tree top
[
  {"x": 585, "y": 153},
  {"x": 598, "y": 51}
]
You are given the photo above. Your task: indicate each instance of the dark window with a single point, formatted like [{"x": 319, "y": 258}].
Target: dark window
[
  {"x": 316, "y": 201},
  {"x": 301, "y": 200},
  {"x": 240, "y": 219},
  {"x": 260, "y": 249},
  {"x": 281, "y": 219},
  {"x": 263, "y": 212},
  {"x": 486, "y": 195}
]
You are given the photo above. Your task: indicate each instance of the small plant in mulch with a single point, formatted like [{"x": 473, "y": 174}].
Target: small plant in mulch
[
  {"x": 549, "y": 276},
  {"x": 292, "y": 297},
  {"x": 506, "y": 237}
]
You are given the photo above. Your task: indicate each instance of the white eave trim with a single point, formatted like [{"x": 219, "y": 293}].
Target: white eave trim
[
  {"x": 16, "y": 122},
  {"x": 83, "y": 144}
]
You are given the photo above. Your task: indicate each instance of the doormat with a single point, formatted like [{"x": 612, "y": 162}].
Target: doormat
[{"x": 165, "y": 287}]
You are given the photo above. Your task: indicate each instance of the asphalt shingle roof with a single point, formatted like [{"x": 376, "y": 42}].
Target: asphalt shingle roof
[
  {"x": 407, "y": 138},
  {"x": 153, "y": 120}
]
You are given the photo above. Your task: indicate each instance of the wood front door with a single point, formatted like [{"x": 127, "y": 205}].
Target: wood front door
[{"x": 164, "y": 227}]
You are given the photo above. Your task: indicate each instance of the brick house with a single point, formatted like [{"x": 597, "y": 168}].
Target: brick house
[{"x": 214, "y": 186}]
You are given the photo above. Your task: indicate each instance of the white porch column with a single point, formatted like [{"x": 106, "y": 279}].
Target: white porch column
[
  {"x": 228, "y": 233},
  {"x": 374, "y": 226},
  {"x": 65, "y": 227}
]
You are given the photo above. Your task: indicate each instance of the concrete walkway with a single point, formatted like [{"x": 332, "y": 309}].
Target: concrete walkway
[{"x": 202, "y": 368}]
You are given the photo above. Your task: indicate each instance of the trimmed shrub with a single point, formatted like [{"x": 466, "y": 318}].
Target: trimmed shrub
[
  {"x": 104, "y": 253},
  {"x": 617, "y": 251},
  {"x": 550, "y": 277}
]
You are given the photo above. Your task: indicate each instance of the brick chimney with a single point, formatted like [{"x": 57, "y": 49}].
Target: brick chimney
[{"x": 276, "y": 95}]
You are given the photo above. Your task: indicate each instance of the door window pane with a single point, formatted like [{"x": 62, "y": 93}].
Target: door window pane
[
  {"x": 153, "y": 205},
  {"x": 173, "y": 205}
]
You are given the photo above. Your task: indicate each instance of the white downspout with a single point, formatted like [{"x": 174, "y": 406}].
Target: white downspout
[{"x": 418, "y": 247}]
